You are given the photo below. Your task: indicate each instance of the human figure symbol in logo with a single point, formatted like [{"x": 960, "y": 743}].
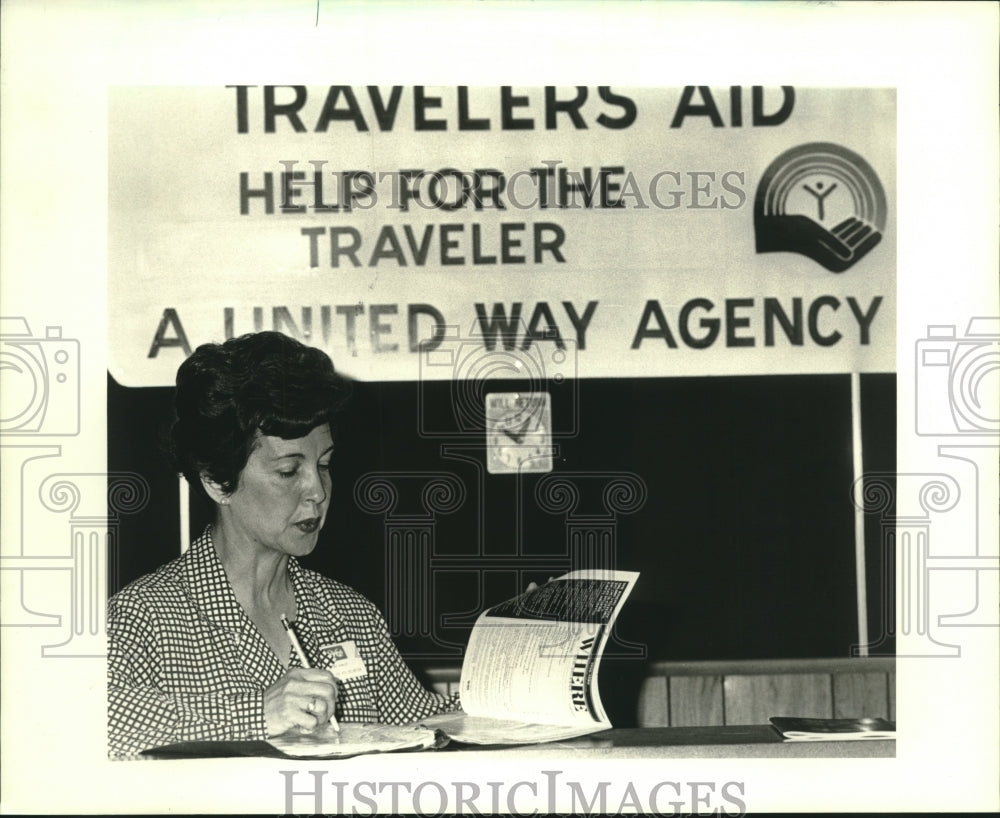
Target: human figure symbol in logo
[
  {"x": 820, "y": 169},
  {"x": 820, "y": 196}
]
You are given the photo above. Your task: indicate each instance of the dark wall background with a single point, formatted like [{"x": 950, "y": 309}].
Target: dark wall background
[{"x": 745, "y": 540}]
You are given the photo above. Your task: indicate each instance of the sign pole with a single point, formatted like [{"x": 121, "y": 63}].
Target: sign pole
[{"x": 859, "y": 515}]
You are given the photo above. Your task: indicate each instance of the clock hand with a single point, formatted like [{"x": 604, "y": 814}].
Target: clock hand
[{"x": 522, "y": 430}]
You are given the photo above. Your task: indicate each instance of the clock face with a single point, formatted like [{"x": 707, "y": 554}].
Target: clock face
[{"x": 518, "y": 432}]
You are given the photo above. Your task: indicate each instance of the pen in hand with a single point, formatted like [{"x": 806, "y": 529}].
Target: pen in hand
[{"x": 303, "y": 660}]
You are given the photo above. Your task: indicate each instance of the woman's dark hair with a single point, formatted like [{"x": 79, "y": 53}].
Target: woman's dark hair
[{"x": 226, "y": 393}]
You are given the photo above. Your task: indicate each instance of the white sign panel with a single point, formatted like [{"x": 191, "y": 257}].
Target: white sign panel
[{"x": 635, "y": 231}]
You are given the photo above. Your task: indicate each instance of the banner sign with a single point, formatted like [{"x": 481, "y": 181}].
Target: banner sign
[{"x": 433, "y": 233}]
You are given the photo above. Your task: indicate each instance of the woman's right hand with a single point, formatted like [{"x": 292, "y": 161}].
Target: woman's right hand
[{"x": 303, "y": 698}]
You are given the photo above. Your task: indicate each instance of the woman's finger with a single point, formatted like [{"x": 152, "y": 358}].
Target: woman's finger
[
  {"x": 324, "y": 685},
  {"x": 318, "y": 709},
  {"x": 310, "y": 674}
]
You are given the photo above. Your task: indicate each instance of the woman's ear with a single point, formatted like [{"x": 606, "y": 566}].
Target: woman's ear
[{"x": 215, "y": 490}]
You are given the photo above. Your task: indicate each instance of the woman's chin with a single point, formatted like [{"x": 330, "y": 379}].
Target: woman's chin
[{"x": 304, "y": 544}]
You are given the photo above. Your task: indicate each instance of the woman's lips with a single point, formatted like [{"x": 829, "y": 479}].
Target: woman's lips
[{"x": 308, "y": 526}]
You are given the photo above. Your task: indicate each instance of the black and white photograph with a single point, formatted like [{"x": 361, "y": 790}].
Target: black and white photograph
[{"x": 499, "y": 408}]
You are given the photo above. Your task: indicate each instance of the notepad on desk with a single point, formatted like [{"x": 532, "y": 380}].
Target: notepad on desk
[
  {"x": 803, "y": 729},
  {"x": 354, "y": 739}
]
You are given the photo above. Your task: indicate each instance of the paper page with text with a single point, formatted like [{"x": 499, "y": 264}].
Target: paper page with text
[{"x": 535, "y": 658}]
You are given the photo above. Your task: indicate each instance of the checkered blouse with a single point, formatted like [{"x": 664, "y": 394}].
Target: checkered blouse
[{"x": 186, "y": 663}]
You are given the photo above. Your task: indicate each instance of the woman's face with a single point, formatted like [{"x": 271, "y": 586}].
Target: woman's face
[{"x": 284, "y": 492}]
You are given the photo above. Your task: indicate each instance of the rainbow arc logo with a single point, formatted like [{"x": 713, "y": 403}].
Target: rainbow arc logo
[{"x": 822, "y": 201}]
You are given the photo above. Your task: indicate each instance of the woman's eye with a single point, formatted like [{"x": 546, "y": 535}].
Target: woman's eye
[
  {"x": 326, "y": 466},
  {"x": 288, "y": 474}
]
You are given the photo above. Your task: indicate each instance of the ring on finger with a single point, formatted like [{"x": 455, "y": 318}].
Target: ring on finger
[{"x": 313, "y": 705}]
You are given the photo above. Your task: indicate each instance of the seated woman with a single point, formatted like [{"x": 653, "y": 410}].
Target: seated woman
[{"x": 197, "y": 649}]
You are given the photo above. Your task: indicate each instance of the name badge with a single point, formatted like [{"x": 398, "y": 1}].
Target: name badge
[{"x": 347, "y": 664}]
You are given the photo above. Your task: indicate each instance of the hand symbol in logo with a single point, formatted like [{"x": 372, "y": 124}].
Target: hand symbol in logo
[
  {"x": 852, "y": 238},
  {"x": 836, "y": 249}
]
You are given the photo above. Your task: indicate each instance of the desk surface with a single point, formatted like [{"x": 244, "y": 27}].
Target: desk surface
[{"x": 731, "y": 741}]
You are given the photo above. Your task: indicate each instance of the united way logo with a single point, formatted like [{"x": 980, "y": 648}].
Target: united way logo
[{"x": 822, "y": 201}]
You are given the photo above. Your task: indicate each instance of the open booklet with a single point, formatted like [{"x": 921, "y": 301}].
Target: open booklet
[
  {"x": 802, "y": 729},
  {"x": 530, "y": 670},
  {"x": 529, "y": 674}
]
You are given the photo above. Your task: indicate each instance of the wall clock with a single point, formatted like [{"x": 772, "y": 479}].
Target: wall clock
[{"x": 518, "y": 432}]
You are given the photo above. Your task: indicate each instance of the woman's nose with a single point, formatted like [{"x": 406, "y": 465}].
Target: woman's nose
[{"x": 316, "y": 488}]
